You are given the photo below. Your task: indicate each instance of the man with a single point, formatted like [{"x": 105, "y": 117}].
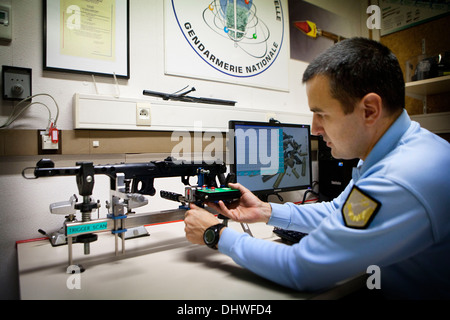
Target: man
[{"x": 394, "y": 214}]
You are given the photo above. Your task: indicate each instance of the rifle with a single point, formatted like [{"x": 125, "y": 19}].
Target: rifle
[
  {"x": 129, "y": 182},
  {"x": 183, "y": 97}
]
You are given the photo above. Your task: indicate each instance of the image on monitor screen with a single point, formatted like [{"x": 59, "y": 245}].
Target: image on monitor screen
[{"x": 268, "y": 158}]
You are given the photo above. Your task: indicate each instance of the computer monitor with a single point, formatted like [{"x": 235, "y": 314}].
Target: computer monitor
[{"x": 270, "y": 157}]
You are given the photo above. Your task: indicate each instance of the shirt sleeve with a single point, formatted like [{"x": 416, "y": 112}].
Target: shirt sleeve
[
  {"x": 303, "y": 218},
  {"x": 333, "y": 252}
]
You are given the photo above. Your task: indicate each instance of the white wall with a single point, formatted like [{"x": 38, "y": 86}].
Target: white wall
[
  {"x": 147, "y": 68},
  {"x": 24, "y": 204}
]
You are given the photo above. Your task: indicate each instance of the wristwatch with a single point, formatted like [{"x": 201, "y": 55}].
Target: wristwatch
[{"x": 212, "y": 234}]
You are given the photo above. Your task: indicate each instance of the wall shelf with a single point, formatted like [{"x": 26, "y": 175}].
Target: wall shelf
[{"x": 428, "y": 86}]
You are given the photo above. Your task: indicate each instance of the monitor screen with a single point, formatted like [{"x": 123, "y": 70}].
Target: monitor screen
[{"x": 269, "y": 158}]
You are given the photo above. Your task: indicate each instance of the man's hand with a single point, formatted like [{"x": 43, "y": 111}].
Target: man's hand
[
  {"x": 196, "y": 221},
  {"x": 249, "y": 208}
]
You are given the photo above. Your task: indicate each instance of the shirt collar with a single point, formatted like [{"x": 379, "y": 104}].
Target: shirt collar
[{"x": 385, "y": 145}]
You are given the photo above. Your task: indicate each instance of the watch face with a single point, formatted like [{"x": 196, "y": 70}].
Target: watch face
[{"x": 209, "y": 236}]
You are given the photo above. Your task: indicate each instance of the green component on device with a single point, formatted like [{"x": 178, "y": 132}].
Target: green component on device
[
  {"x": 217, "y": 190},
  {"x": 216, "y": 194}
]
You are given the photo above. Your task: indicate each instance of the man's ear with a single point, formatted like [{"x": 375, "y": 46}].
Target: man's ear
[{"x": 373, "y": 108}]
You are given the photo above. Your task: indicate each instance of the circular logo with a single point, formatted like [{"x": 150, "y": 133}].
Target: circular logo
[{"x": 240, "y": 38}]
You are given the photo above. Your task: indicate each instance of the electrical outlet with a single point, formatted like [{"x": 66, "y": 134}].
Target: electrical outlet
[
  {"x": 16, "y": 83},
  {"x": 45, "y": 144},
  {"x": 143, "y": 115}
]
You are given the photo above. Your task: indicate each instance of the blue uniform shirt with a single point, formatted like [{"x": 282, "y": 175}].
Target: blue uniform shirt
[{"x": 408, "y": 237}]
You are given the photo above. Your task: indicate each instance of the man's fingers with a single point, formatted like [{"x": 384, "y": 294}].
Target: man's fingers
[
  {"x": 225, "y": 211},
  {"x": 192, "y": 206}
]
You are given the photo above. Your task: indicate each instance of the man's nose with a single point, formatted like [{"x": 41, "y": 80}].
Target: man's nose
[{"x": 316, "y": 128}]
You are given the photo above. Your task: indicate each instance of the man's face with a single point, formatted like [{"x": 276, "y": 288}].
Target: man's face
[{"x": 343, "y": 133}]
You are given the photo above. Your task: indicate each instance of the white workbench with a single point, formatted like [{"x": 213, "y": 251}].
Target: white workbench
[{"x": 163, "y": 265}]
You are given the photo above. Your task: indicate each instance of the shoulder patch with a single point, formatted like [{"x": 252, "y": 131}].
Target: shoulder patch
[{"x": 359, "y": 209}]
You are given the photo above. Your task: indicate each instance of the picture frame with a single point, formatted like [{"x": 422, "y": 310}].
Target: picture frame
[{"x": 87, "y": 37}]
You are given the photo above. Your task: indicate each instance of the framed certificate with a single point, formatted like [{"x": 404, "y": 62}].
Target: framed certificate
[{"x": 86, "y": 36}]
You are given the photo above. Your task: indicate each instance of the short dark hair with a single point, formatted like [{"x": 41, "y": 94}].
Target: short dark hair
[{"x": 358, "y": 66}]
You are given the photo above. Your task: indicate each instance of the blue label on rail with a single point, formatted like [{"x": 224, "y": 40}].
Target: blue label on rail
[{"x": 91, "y": 227}]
